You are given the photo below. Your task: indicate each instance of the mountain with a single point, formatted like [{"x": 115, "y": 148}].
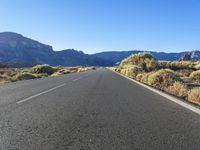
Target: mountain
[
  {"x": 16, "y": 50},
  {"x": 117, "y": 56},
  {"x": 72, "y": 57},
  {"x": 19, "y": 51}
]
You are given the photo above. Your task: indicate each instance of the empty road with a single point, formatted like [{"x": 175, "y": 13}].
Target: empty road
[{"x": 94, "y": 110}]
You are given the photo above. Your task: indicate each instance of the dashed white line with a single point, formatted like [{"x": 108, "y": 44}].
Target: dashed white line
[
  {"x": 77, "y": 79},
  {"x": 36, "y": 95},
  {"x": 47, "y": 91}
]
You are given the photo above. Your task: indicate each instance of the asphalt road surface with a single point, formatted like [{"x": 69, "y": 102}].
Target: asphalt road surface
[{"x": 94, "y": 110}]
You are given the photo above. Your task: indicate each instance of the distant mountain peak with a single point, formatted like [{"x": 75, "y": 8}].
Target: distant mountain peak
[
  {"x": 14, "y": 41},
  {"x": 19, "y": 51},
  {"x": 10, "y": 34}
]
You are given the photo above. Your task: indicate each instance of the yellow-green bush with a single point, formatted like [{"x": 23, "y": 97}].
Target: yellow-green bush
[
  {"x": 25, "y": 76},
  {"x": 64, "y": 71},
  {"x": 195, "y": 75},
  {"x": 197, "y": 66},
  {"x": 184, "y": 72},
  {"x": 178, "y": 89},
  {"x": 73, "y": 69},
  {"x": 139, "y": 76},
  {"x": 176, "y": 65},
  {"x": 39, "y": 71},
  {"x": 194, "y": 95},
  {"x": 43, "y": 69},
  {"x": 144, "y": 77},
  {"x": 144, "y": 60},
  {"x": 162, "y": 78},
  {"x": 131, "y": 70}
]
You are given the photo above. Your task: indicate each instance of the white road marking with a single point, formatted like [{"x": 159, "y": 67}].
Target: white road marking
[
  {"x": 78, "y": 79},
  {"x": 176, "y": 100},
  {"x": 36, "y": 95}
]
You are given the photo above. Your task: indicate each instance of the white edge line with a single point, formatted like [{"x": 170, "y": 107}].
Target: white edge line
[
  {"x": 36, "y": 95},
  {"x": 184, "y": 104}
]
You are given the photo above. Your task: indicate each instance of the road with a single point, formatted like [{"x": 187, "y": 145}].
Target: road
[{"x": 94, "y": 110}]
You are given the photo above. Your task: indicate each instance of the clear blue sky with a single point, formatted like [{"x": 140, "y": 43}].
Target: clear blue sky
[{"x": 102, "y": 25}]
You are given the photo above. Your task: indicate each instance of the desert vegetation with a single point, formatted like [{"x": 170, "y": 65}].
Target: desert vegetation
[
  {"x": 179, "y": 78},
  {"x": 39, "y": 71}
]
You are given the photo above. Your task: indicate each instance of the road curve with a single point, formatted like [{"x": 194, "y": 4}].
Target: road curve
[{"x": 94, "y": 110}]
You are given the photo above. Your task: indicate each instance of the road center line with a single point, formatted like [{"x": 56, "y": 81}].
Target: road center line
[
  {"x": 36, "y": 95},
  {"x": 78, "y": 79}
]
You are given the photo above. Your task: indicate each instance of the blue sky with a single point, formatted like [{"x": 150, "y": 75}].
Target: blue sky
[{"x": 104, "y": 25}]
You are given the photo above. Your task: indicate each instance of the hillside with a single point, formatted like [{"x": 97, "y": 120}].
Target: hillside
[
  {"x": 19, "y": 51},
  {"x": 117, "y": 56}
]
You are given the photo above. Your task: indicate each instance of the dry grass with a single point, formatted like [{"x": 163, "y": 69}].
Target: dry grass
[
  {"x": 162, "y": 78},
  {"x": 195, "y": 75},
  {"x": 184, "y": 72},
  {"x": 170, "y": 76},
  {"x": 39, "y": 71},
  {"x": 8, "y": 74},
  {"x": 25, "y": 76},
  {"x": 178, "y": 89},
  {"x": 143, "y": 60},
  {"x": 194, "y": 95},
  {"x": 131, "y": 70},
  {"x": 177, "y": 65},
  {"x": 197, "y": 66}
]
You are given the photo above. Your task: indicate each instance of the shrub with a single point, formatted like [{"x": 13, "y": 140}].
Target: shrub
[
  {"x": 144, "y": 60},
  {"x": 73, "y": 69},
  {"x": 197, "y": 66},
  {"x": 184, "y": 72},
  {"x": 176, "y": 65},
  {"x": 43, "y": 69},
  {"x": 81, "y": 69},
  {"x": 195, "y": 75},
  {"x": 25, "y": 76},
  {"x": 56, "y": 73},
  {"x": 64, "y": 71},
  {"x": 139, "y": 76},
  {"x": 178, "y": 89},
  {"x": 41, "y": 75},
  {"x": 131, "y": 70},
  {"x": 162, "y": 78},
  {"x": 144, "y": 77},
  {"x": 194, "y": 95}
]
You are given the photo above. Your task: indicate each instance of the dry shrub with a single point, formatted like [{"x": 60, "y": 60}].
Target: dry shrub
[
  {"x": 184, "y": 72},
  {"x": 178, "y": 89},
  {"x": 131, "y": 70},
  {"x": 144, "y": 60},
  {"x": 176, "y": 65},
  {"x": 118, "y": 69},
  {"x": 42, "y": 69},
  {"x": 162, "y": 78},
  {"x": 139, "y": 76},
  {"x": 82, "y": 69},
  {"x": 25, "y": 76},
  {"x": 144, "y": 77},
  {"x": 195, "y": 75},
  {"x": 7, "y": 74},
  {"x": 194, "y": 95},
  {"x": 197, "y": 66}
]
